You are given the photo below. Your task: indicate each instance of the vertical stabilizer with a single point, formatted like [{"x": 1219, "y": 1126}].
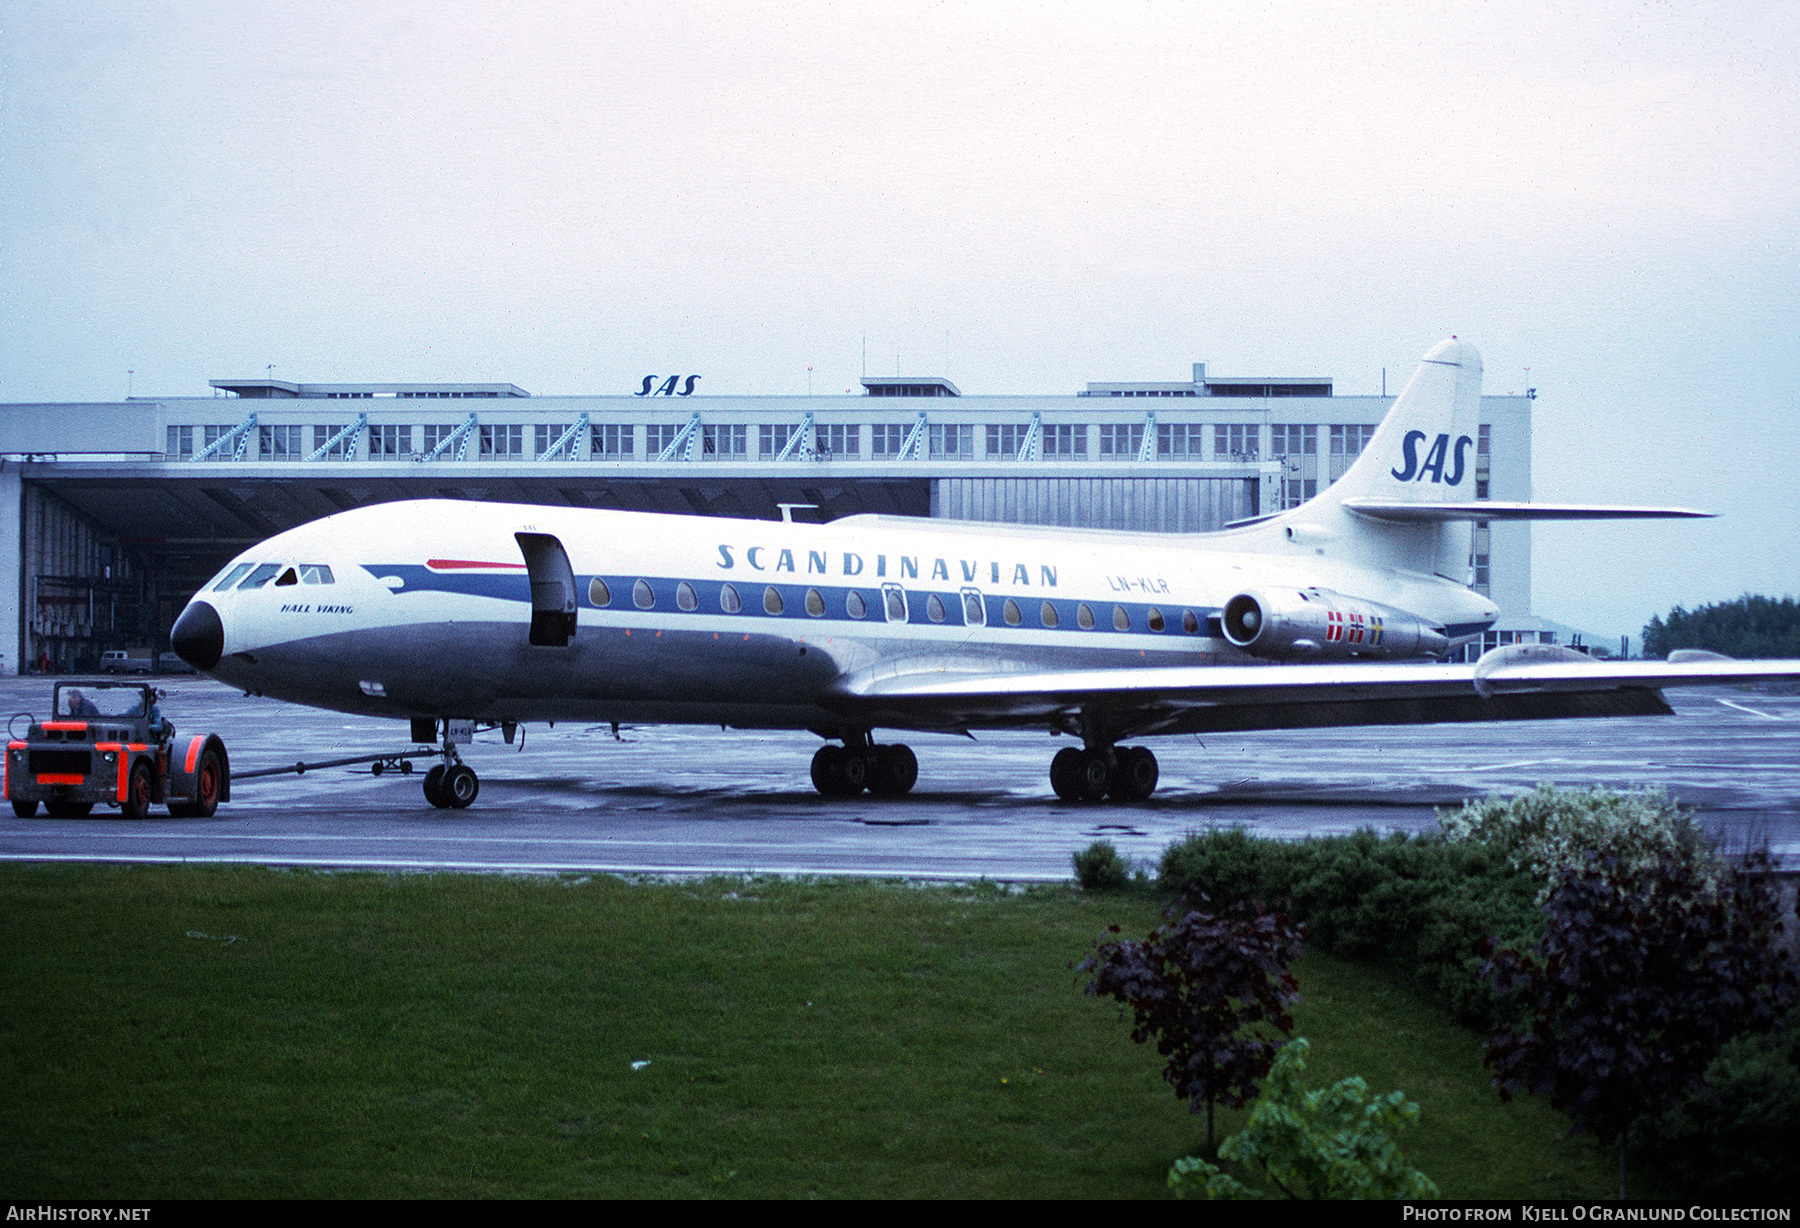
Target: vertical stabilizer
[{"x": 1423, "y": 452}]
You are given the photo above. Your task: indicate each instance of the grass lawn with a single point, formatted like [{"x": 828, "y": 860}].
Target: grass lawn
[{"x": 170, "y": 1032}]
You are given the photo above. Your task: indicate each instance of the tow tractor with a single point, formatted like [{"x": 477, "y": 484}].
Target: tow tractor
[{"x": 107, "y": 744}]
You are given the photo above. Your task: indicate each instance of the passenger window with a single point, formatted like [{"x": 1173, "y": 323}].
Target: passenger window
[
  {"x": 1121, "y": 620},
  {"x": 1048, "y": 614},
  {"x": 1084, "y": 617},
  {"x": 895, "y": 597},
  {"x": 815, "y": 603},
  {"x": 232, "y": 577},
  {"x": 934, "y": 608},
  {"x": 729, "y": 601},
  {"x": 685, "y": 597},
  {"x": 598, "y": 593},
  {"x": 1155, "y": 619},
  {"x": 315, "y": 573},
  {"x": 854, "y": 605},
  {"x": 261, "y": 576},
  {"x": 1189, "y": 623},
  {"x": 290, "y": 576},
  {"x": 643, "y": 596},
  {"x": 772, "y": 603},
  {"x": 974, "y": 608},
  {"x": 1010, "y": 611}
]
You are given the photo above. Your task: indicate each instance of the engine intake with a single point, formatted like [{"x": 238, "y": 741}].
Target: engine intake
[{"x": 1289, "y": 623}]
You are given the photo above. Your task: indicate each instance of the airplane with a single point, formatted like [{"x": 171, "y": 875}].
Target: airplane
[{"x": 1336, "y": 612}]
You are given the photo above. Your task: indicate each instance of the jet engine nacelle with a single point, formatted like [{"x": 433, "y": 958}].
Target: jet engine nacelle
[{"x": 1290, "y": 623}]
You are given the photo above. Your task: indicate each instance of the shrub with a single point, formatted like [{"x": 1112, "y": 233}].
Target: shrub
[
  {"x": 1550, "y": 829},
  {"x": 1335, "y": 1143},
  {"x": 1417, "y": 903},
  {"x": 1641, "y": 977},
  {"x": 1739, "y": 1138},
  {"x": 1100, "y": 868},
  {"x": 1227, "y": 867}
]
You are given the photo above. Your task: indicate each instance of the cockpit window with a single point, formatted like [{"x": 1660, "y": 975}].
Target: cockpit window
[
  {"x": 232, "y": 577},
  {"x": 261, "y": 576},
  {"x": 315, "y": 573},
  {"x": 290, "y": 576}
]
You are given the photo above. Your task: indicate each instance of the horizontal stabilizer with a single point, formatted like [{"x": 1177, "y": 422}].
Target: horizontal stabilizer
[{"x": 1397, "y": 512}]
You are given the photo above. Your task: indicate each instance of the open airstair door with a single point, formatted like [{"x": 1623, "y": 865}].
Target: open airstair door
[{"x": 552, "y": 590}]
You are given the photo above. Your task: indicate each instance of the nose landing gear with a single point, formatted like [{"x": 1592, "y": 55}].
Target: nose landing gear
[{"x": 451, "y": 786}]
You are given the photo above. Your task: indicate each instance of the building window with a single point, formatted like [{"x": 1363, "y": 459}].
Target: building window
[
  {"x": 657, "y": 438},
  {"x": 1296, "y": 491},
  {"x": 278, "y": 443},
  {"x": 544, "y": 436},
  {"x": 771, "y": 438},
  {"x": 724, "y": 442},
  {"x": 1481, "y": 573},
  {"x": 1350, "y": 440},
  {"x": 388, "y": 442},
  {"x": 837, "y": 440},
  {"x": 952, "y": 442},
  {"x": 1004, "y": 440},
  {"x": 1120, "y": 441},
  {"x": 1180, "y": 439},
  {"x": 610, "y": 441},
  {"x": 502, "y": 442},
  {"x": 1236, "y": 441},
  {"x": 1065, "y": 440},
  {"x": 888, "y": 439},
  {"x": 1294, "y": 441},
  {"x": 1483, "y": 440},
  {"x": 345, "y": 442}
]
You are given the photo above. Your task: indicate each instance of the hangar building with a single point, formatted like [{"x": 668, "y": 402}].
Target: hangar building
[{"x": 113, "y": 513}]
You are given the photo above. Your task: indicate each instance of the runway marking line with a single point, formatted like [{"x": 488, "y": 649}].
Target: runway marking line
[{"x": 1767, "y": 716}]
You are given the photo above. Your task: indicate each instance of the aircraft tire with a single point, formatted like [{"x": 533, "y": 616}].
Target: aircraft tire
[
  {"x": 1065, "y": 776},
  {"x": 896, "y": 771},
  {"x": 460, "y": 786},
  {"x": 1134, "y": 774},
  {"x": 1093, "y": 772},
  {"x": 138, "y": 788},
  {"x": 434, "y": 791},
  {"x": 25, "y": 809},
  {"x": 838, "y": 771}
]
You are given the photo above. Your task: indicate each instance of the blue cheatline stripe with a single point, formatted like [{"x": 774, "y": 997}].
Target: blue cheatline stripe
[{"x": 516, "y": 586}]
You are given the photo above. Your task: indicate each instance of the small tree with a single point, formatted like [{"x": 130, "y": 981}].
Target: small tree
[
  {"x": 1645, "y": 973},
  {"x": 1195, "y": 985},
  {"x": 1334, "y": 1143}
]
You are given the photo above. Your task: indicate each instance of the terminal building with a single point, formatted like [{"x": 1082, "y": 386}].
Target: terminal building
[{"x": 113, "y": 513}]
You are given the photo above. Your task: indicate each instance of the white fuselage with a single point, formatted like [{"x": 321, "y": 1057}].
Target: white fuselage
[{"x": 429, "y": 609}]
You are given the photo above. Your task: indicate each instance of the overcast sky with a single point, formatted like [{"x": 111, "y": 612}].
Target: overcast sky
[{"x": 1028, "y": 197}]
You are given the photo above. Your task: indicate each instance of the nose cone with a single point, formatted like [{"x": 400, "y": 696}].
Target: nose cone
[{"x": 199, "y": 636}]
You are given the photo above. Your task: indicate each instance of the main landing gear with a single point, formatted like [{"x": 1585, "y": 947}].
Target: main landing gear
[
  {"x": 1123, "y": 773},
  {"x": 845, "y": 771}
]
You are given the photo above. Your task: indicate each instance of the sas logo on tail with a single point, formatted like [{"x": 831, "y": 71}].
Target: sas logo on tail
[{"x": 1415, "y": 471}]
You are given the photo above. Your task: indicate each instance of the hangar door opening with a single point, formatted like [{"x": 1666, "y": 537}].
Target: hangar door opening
[{"x": 552, "y": 589}]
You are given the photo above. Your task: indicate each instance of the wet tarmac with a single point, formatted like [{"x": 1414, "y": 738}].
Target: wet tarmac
[{"x": 682, "y": 800}]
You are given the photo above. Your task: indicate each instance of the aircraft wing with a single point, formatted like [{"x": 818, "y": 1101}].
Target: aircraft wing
[{"x": 1517, "y": 682}]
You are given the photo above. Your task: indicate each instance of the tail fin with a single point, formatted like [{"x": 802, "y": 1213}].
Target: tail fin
[
  {"x": 1424, "y": 450},
  {"x": 1422, "y": 454}
]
